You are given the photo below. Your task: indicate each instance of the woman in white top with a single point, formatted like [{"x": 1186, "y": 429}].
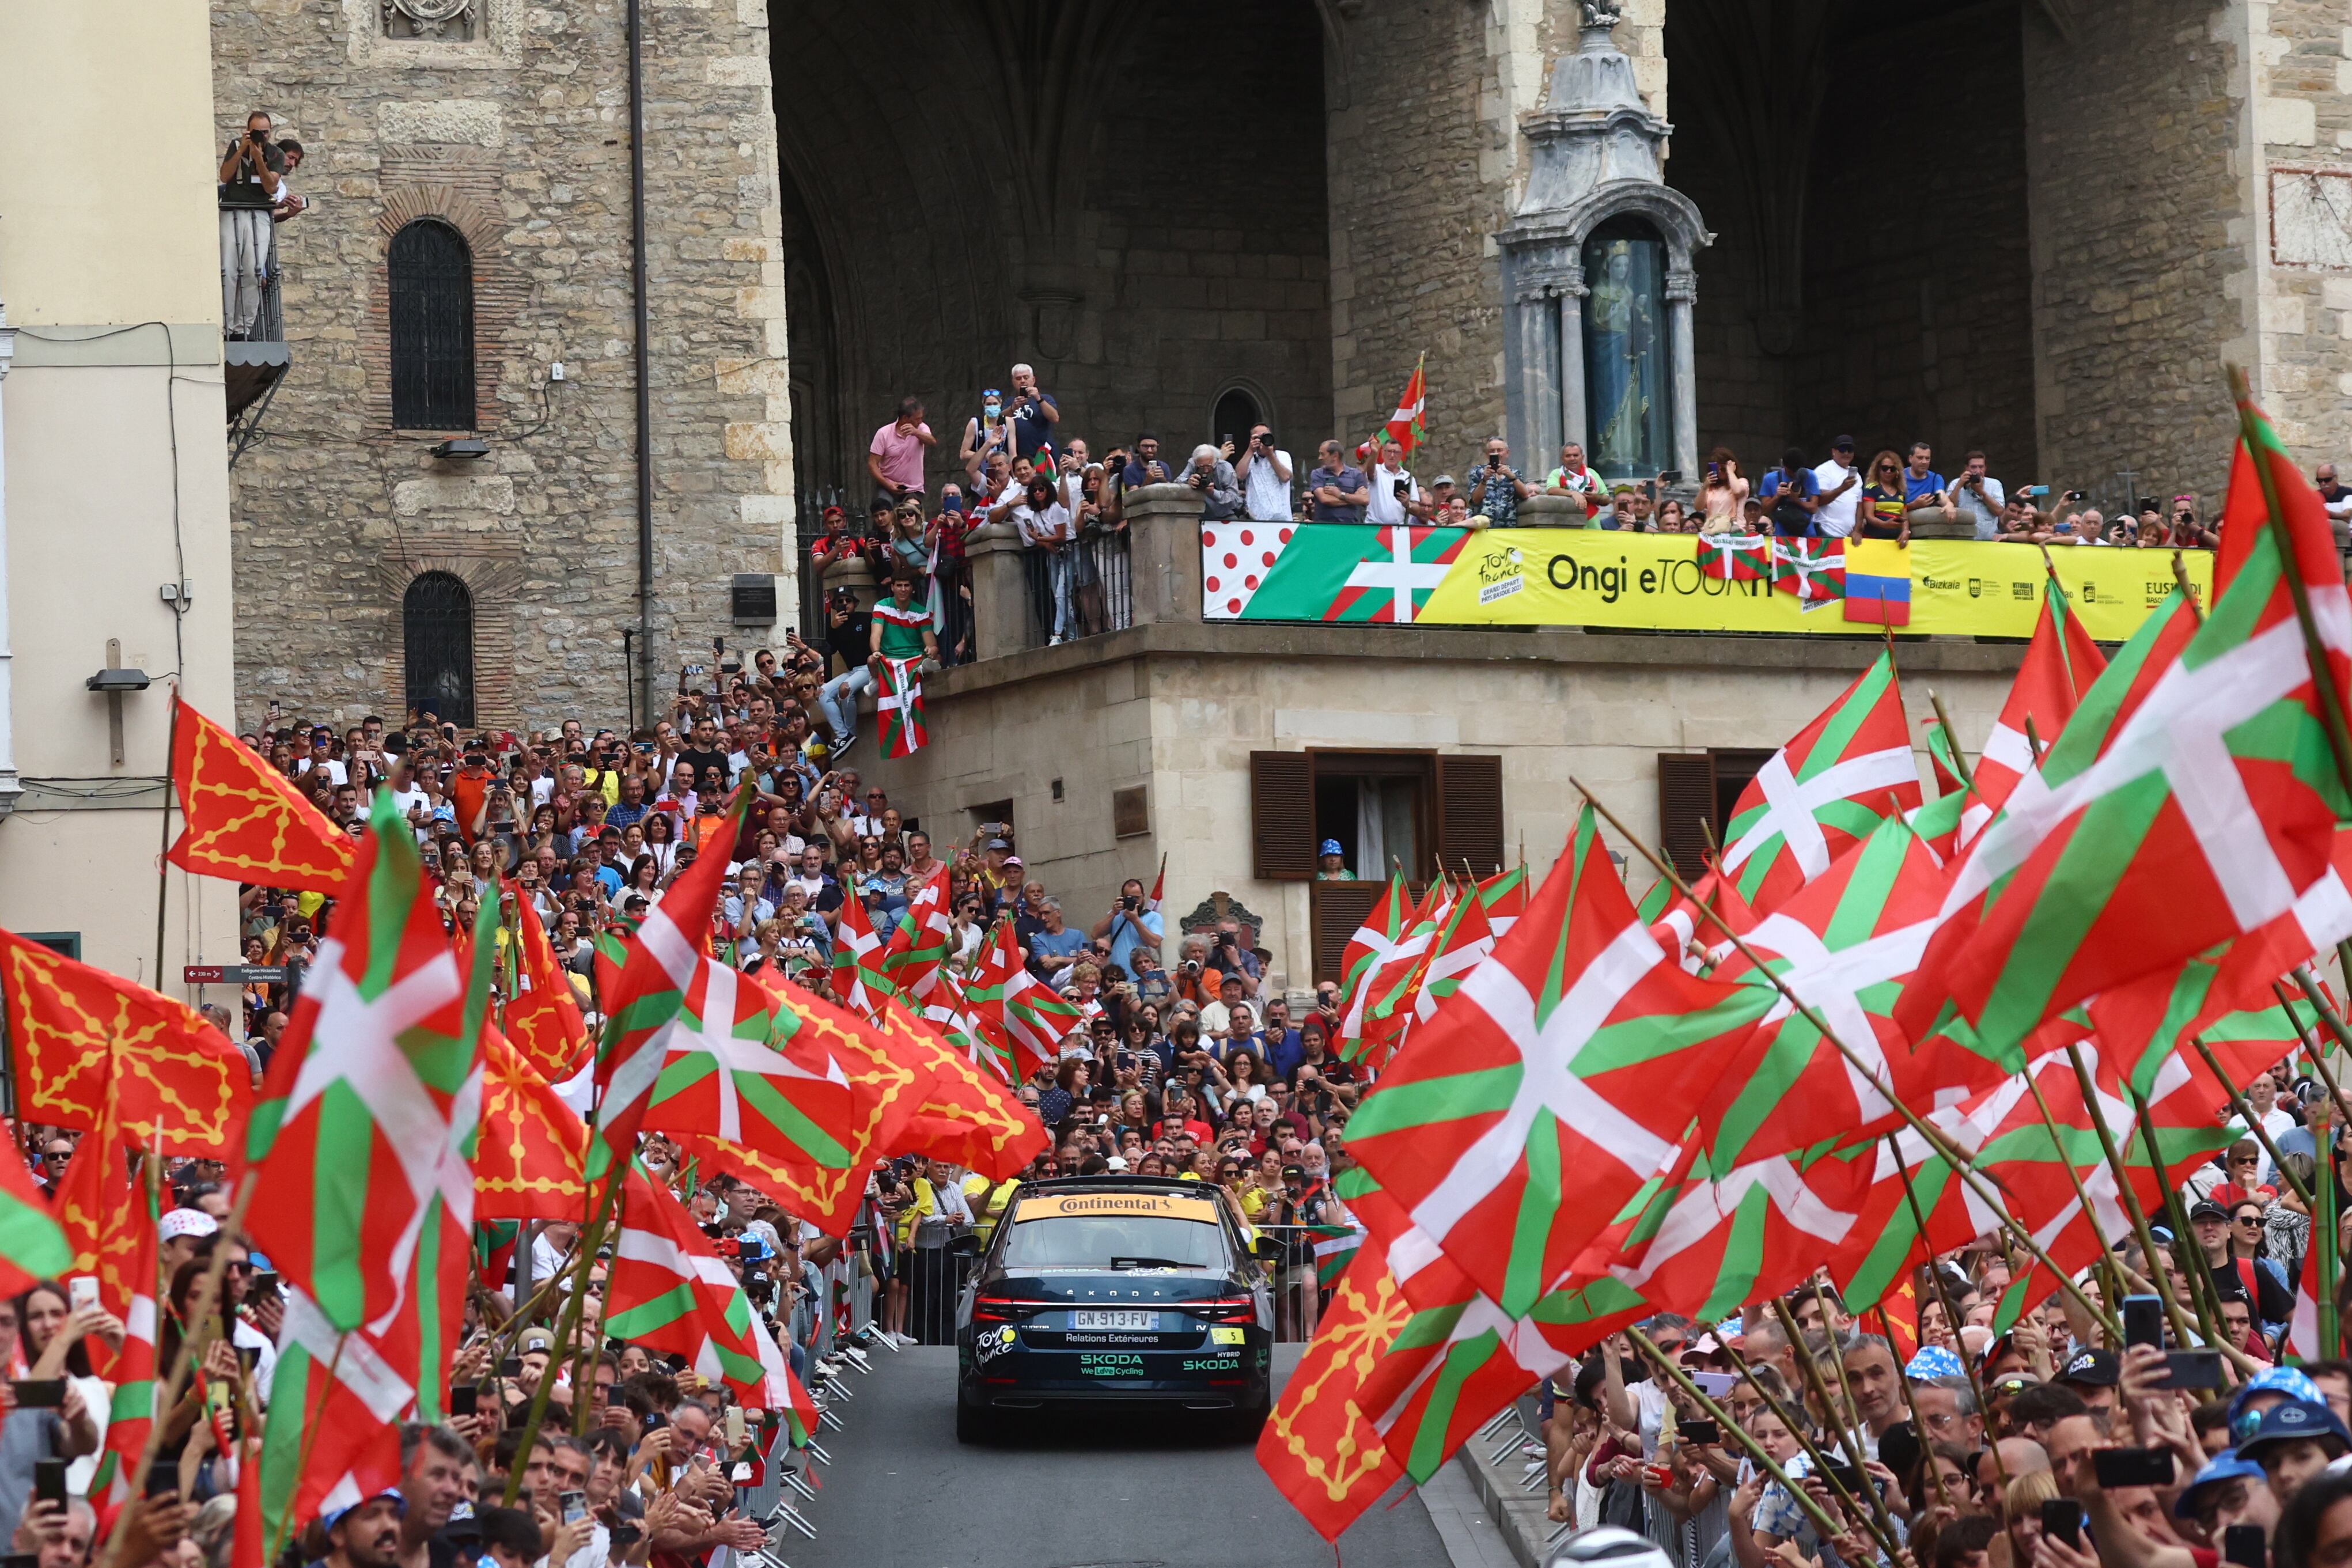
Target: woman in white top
[{"x": 1045, "y": 526}]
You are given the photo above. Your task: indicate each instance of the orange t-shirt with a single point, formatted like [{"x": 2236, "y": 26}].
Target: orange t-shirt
[{"x": 466, "y": 795}]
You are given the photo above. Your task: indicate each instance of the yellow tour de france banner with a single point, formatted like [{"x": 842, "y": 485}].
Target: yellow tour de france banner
[{"x": 1592, "y": 577}]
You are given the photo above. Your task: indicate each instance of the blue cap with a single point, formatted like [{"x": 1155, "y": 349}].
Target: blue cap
[
  {"x": 2225, "y": 1466},
  {"x": 1933, "y": 1360},
  {"x": 2284, "y": 1380},
  {"x": 2296, "y": 1419},
  {"x": 1331, "y": 846}
]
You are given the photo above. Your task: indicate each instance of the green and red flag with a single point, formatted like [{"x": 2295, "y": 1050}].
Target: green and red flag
[
  {"x": 922, "y": 939},
  {"x": 1813, "y": 570},
  {"x": 1318, "y": 1445},
  {"x": 495, "y": 1241},
  {"x": 336, "y": 1440},
  {"x": 1680, "y": 922},
  {"x": 2061, "y": 664},
  {"x": 1381, "y": 575},
  {"x": 1504, "y": 894},
  {"x": 1826, "y": 790},
  {"x": 669, "y": 1291},
  {"x": 109, "y": 1221},
  {"x": 368, "y": 1122},
  {"x": 647, "y": 991},
  {"x": 1376, "y": 941},
  {"x": 1558, "y": 1081},
  {"x": 1465, "y": 941},
  {"x": 1004, "y": 995},
  {"x": 2193, "y": 797},
  {"x": 1404, "y": 426},
  {"x": 963, "y": 1113},
  {"x": 1844, "y": 944},
  {"x": 898, "y": 704},
  {"x": 1393, "y": 983},
  {"x": 858, "y": 980},
  {"x": 951, "y": 1015}
]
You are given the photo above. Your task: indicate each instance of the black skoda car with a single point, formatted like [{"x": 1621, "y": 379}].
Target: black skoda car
[{"x": 1110, "y": 1289}]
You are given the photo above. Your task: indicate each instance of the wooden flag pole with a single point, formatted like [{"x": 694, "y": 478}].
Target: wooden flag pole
[
  {"x": 1961, "y": 1163},
  {"x": 1911, "y": 1402},
  {"x": 2109, "y": 1270},
  {"x": 1951, "y": 737},
  {"x": 2208, "y": 1303},
  {"x": 1837, "y": 1417},
  {"x": 2129, "y": 1198},
  {"x": 1823, "y": 1461},
  {"x": 1936, "y": 1275}
]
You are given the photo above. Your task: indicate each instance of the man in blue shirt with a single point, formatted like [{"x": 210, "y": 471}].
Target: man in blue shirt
[
  {"x": 1055, "y": 946},
  {"x": 1284, "y": 1051},
  {"x": 1340, "y": 491},
  {"x": 1791, "y": 496},
  {"x": 1924, "y": 489},
  {"x": 1033, "y": 413},
  {"x": 1128, "y": 923}
]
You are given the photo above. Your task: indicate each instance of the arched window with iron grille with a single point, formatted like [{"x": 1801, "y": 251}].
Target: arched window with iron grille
[
  {"x": 437, "y": 620},
  {"x": 429, "y": 278}
]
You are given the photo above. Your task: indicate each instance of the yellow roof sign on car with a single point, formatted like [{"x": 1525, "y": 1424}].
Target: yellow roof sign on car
[{"x": 1159, "y": 1206}]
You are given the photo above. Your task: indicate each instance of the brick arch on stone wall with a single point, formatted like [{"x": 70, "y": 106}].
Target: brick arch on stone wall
[
  {"x": 493, "y": 574},
  {"x": 467, "y": 201}
]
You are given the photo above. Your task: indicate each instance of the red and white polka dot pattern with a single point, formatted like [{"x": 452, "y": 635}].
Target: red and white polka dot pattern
[{"x": 1235, "y": 558}]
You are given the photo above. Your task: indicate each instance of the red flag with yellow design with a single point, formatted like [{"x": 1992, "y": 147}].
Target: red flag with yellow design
[
  {"x": 542, "y": 1019},
  {"x": 534, "y": 1150},
  {"x": 964, "y": 1114},
  {"x": 80, "y": 1033},
  {"x": 1319, "y": 1446},
  {"x": 245, "y": 821}
]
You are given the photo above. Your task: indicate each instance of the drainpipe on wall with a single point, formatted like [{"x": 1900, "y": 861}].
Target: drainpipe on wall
[
  {"x": 10, "y": 788},
  {"x": 644, "y": 671}
]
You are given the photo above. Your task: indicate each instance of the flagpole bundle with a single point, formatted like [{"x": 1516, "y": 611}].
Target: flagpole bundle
[
  {"x": 1881, "y": 1528},
  {"x": 1935, "y": 1278},
  {"x": 1962, "y": 1164}
]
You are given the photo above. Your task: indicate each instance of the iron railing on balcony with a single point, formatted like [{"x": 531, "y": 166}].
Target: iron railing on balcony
[
  {"x": 1083, "y": 590},
  {"x": 254, "y": 357}
]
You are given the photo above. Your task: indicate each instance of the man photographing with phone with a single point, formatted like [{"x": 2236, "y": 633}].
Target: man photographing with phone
[{"x": 1395, "y": 495}]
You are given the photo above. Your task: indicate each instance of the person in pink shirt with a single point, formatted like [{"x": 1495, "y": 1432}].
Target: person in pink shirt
[{"x": 895, "y": 458}]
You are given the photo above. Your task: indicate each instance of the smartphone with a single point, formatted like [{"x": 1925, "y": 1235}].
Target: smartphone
[
  {"x": 1845, "y": 1475},
  {"x": 2192, "y": 1369},
  {"x": 49, "y": 1480},
  {"x": 625, "y": 1535},
  {"x": 735, "y": 1424},
  {"x": 1671, "y": 476},
  {"x": 465, "y": 1399},
  {"x": 693, "y": 669},
  {"x": 2133, "y": 1466},
  {"x": 264, "y": 1284},
  {"x": 574, "y": 1505},
  {"x": 1701, "y": 1432},
  {"x": 2243, "y": 1544},
  {"x": 1398, "y": 488},
  {"x": 510, "y": 1367},
  {"x": 41, "y": 1394},
  {"x": 163, "y": 1479},
  {"x": 2062, "y": 1519},
  {"x": 1713, "y": 1385},
  {"x": 81, "y": 1291},
  {"x": 20, "y": 1560},
  {"x": 2143, "y": 1320}
]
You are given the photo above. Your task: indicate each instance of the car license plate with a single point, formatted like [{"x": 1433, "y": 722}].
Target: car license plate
[{"x": 1129, "y": 1322}]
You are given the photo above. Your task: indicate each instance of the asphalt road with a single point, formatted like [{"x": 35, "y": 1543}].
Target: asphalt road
[{"x": 1122, "y": 1490}]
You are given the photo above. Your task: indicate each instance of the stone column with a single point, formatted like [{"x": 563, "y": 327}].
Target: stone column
[
  {"x": 1571, "y": 359},
  {"x": 1537, "y": 406},
  {"x": 1163, "y": 527},
  {"x": 855, "y": 573},
  {"x": 1682, "y": 294},
  {"x": 1000, "y": 589}
]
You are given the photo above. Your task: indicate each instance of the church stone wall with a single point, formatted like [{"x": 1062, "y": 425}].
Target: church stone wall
[
  {"x": 518, "y": 136},
  {"x": 2301, "y": 223}
]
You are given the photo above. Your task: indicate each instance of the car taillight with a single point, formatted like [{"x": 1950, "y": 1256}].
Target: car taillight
[
  {"x": 1003, "y": 1309},
  {"x": 1226, "y": 1310}
]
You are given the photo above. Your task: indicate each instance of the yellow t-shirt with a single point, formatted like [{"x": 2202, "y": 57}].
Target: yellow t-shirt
[{"x": 988, "y": 1205}]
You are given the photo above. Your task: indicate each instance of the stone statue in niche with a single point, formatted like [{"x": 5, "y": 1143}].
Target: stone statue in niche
[
  {"x": 446, "y": 20},
  {"x": 1625, "y": 360}
]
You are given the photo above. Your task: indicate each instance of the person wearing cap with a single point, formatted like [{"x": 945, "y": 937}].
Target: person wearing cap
[
  {"x": 1332, "y": 863},
  {"x": 1841, "y": 489},
  {"x": 179, "y": 1231},
  {"x": 2092, "y": 1372},
  {"x": 365, "y": 1534},
  {"x": 2295, "y": 1440},
  {"x": 2230, "y": 1490}
]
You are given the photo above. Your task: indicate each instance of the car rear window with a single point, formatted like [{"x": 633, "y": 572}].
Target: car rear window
[{"x": 1097, "y": 1230}]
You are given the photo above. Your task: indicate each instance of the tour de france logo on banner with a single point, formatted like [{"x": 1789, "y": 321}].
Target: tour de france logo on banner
[{"x": 1598, "y": 577}]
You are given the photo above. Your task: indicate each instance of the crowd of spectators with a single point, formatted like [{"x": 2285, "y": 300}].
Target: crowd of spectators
[{"x": 2050, "y": 1445}]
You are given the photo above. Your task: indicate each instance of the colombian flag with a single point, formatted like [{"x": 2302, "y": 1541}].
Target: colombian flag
[{"x": 1877, "y": 581}]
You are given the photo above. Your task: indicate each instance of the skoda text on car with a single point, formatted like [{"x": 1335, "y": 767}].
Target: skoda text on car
[{"x": 1104, "y": 1290}]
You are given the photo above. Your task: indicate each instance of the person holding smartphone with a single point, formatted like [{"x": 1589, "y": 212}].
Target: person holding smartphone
[
  {"x": 1394, "y": 499},
  {"x": 1495, "y": 488}
]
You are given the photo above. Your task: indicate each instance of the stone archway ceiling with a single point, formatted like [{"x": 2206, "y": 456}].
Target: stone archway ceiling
[
  {"x": 1758, "y": 72},
  {"x": 1053, "y": 67}
]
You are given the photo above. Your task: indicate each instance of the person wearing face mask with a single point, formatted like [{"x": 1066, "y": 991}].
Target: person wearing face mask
[{"x": 986, "y": 432}]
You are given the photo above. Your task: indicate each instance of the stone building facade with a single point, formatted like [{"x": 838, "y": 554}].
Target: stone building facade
[
  {"x": 1189, "y": 216},
  {"x": 510, "y": 124}
]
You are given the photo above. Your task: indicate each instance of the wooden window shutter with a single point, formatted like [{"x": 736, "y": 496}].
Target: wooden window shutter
[
  {"x": 1470, "y": 814},
  {"x": 1282, "y": 816},
  {"x": 1335, "y": 909},
  {"x": 1686, "y": 809}
]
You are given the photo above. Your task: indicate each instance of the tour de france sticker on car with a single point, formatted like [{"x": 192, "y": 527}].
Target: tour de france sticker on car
[{"x": 1078, "y": 1205}]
